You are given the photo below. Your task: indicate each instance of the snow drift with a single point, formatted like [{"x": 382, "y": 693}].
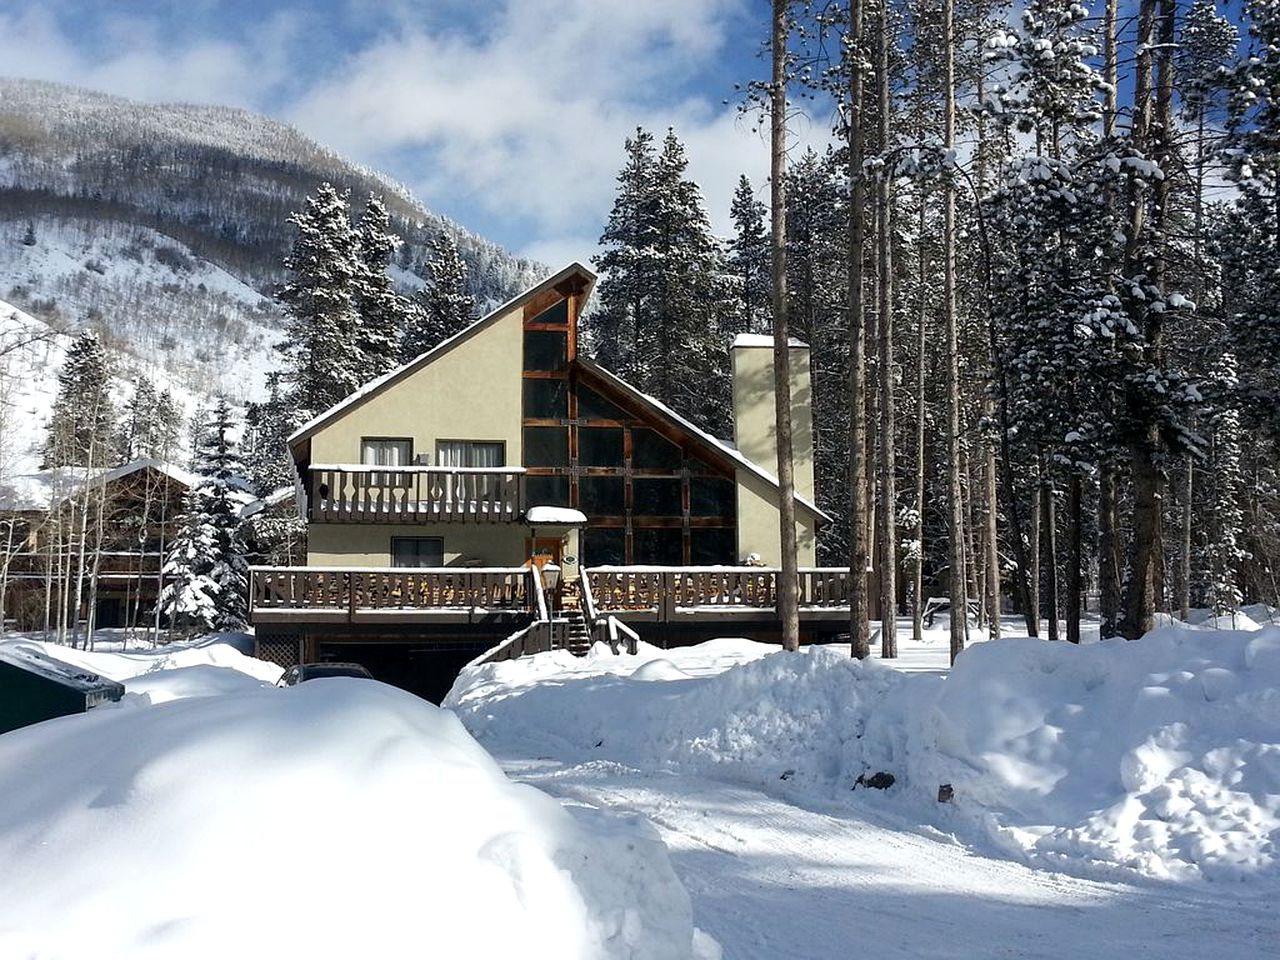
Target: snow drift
[
  {"x": 338, "y": 818},
  {"x": 1159, "y": 757}
]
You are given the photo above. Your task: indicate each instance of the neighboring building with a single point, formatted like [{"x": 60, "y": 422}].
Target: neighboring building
[
  {"x": 504, "y": 445},
  {"x": 97, "y": 535}
]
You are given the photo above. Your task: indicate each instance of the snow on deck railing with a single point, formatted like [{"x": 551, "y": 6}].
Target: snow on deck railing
[
  {"x": 398, "y": 570},
  {"x": 724, "y": 568}
]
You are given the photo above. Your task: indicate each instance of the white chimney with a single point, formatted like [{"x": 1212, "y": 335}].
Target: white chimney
[{"x": 754, "y": 412}]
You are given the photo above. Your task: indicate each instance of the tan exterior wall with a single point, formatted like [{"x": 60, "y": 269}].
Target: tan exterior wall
[
  {"x": 754, "y": 416},
  {"x": 369, "y": 545},
  {"x": 758, "y": 528},
  {"x": 470, "y": 393}
]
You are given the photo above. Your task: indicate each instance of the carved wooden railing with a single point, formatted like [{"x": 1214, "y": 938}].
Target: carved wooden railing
[
  {"x": 664, "y": 593},
  {"x": 348, "y": 592},
  {"x": 354, "y": 493}
]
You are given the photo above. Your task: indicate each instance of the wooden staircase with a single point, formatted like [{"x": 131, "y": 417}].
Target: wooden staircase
[{"x": 578, "y": 640}]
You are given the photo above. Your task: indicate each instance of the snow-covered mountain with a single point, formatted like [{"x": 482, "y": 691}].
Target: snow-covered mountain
[{"x": 163, "y": 227}]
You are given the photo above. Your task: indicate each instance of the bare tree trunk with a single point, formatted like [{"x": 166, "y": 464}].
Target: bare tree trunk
[
  {"x": 888, "y": 493},
  {"x": 1075, "y": 577},
  {"x": 1184, "y": 567},
  {"x": 1050, "y": 540},
  {"x": 788, "y": 589},
  {"x": 917, "y": 567},
  {"x": 1036, "y": 566},
  {"x": 955, "y": 517},
  {"x": 859, "y": 627}
]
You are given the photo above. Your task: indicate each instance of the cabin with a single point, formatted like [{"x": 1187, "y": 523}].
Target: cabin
[
  {"x": 95, "y": 537},
  {"x": 503, "y": 485}
]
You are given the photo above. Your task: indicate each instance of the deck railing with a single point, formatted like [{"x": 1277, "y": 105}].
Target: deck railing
[
  {"x": 358, "y": 493},
  {"x": 117, "y": 564},
  {"x": 372, "y": 592},
  {"x": 669, "y": 593}
]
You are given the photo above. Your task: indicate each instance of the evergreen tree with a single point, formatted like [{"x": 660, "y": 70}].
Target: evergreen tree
[
  {"x": 442, "y": 309},
  {"x": 82, "y": 422},
  {"x": 206, "y": 568},
  {"x": 269, "y": 424},
  {"x": 322, "y": 363},
  {"x": 380, "y": 310},
  {"x": 748, "y": 262}
]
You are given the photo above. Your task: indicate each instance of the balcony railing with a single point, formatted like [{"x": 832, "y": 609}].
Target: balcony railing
[
  {"x": 388, "y": 595},
  {"x": 357, "y": 493},
  {"x": 111, "y": 564},
  {"x": 713, "y": 593}
]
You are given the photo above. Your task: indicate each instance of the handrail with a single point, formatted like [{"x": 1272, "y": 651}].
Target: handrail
[
  {"x": 540, "y": 596},
  {"x": 368, "y": 493},
  {"x": 399, "y": 570},
  {"x": 616, "y": 626},
  {"x": 409, "y": 468},
  {"x": 588, "y": 601}
]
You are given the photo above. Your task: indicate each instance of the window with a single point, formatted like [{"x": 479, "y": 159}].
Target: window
[
  {"x": 546, "y": 349},
  {"x": 470, "y": 453},
  {"x": 557, "y": 314},
  {"x": 417, "y": 552},
  {"x": 604, "y": 546},
  {"x": 546, "y": 446},
  {"x": 712, "y": 497},
  {"x": 592, "y": 406},
  {"x": 602, "y": 496},
  {"x": 387, "y": 452},
  {"x": 663, "y": 547},
  {"x": 547, "y": 491},
  {"x": 600, "y": 446},
  {"x": 657, "y": 498},
  {"x": 546, "y": 399},
  {"x": 712, "y": 546},
  {"x": 649, "y": 451}
]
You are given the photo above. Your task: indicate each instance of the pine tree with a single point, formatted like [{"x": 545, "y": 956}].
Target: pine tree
[
  {"x": 322, "y": 364},
  {"x": 748, "y": 262},
  {"x": 269, "y": 424},
  {"x": 206, "y": 568},
  {"x": 381, "y": 312},
  {"x": 442, "y": 309},
  {"x": 82, "y": 422}
]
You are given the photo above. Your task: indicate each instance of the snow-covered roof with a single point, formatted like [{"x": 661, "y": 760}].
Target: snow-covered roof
[
  {"x": 374, "y": 387},
  {"x": 273, "y": 499},
  {"x": 765, "y": 340},
  {"x": 562, "y": 515},
  {"x": 32, "y": 492},
  {"x": 726, "y": 448}
]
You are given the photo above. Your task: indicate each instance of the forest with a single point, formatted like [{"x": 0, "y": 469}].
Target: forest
[{"x": 1036, "y": 263}]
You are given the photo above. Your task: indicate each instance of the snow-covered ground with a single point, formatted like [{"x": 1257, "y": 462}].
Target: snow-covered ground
[
  {"x": 1108, "y": 800},
  {"x": 212, "y": 815}
]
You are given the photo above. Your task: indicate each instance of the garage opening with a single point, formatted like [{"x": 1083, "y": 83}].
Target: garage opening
[{"x": 425, "y": 670}]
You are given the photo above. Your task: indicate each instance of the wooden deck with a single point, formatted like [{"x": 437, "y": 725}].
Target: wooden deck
[
  {"x": 354, "y": 493},
  {"x": 319, "y": 595}
]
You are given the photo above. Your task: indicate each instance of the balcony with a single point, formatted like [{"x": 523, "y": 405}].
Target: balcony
[
  {"x": 395, "y": 595},
  {"x": 356, "y": 493}
]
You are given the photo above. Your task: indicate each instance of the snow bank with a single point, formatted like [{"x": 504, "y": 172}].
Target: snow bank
[
  {"x": 338, "y": 818},
  {"x": 123, "y": 666},
  {"x": 1159, "y": 757}
]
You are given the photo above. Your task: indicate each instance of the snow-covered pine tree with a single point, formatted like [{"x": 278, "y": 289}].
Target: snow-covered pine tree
[
  {"x": 83, "y": 419},
  {"x": 1226, "y": 552},
  {"x": 748, "y": 262},
  {"x": 322, "y": 364},
  {"x": 268, "y": 425},
  {"x": 381, "y": 312},
  {"x": 444, "y": 307},
  {"x": 206, "y": 567}
]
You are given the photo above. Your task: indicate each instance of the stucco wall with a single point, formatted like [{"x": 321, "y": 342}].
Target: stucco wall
[
  {"x": 758, "y": 528},
  {"x": 754, "y": 415},
  {"x": 470, "y": 393},
  {"x": 369, "y": 545}
]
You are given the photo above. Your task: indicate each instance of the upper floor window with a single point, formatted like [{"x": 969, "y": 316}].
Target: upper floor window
[
  {"x": 386, "y": 452},
  {"x": 470, "y": 453}
]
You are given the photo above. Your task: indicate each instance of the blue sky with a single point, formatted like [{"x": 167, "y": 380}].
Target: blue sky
[{"x": 507, "y": 115}]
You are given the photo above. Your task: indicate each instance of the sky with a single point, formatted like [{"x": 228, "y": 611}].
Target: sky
[{"x": 507, "y": 115}]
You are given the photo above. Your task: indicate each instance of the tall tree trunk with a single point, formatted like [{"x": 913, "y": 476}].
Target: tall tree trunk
[
  {"x": 888, "y": 494},
  {"x": 788, "y": 589},
  {"x": 1037, "y": 526},
  {"x": 917, "y": 566},
  {"x": 955, "y": 517},
  {"x": 1184, "y": 567},
  {"x": 1050, "y": 540},
  {"x": 1075, "y": 577},
  {"x": 859, "y": 627}
]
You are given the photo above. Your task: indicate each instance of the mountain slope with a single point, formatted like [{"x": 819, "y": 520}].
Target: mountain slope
[{"x": 163, "y": 226}]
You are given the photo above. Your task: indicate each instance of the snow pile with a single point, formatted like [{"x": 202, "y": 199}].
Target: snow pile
[
  {"x": 126, "y": 666},
  {"x": 338, "y": 818},
  {"x": 731, "y": 709},
  {"x": 1160, "y": 756}
]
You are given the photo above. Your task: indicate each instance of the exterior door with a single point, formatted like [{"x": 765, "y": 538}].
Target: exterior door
[{"x": 544, "y": 550}]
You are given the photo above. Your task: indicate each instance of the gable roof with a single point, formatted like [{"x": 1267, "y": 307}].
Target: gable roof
[
  {"x": 663, "y": 411},
  {"x": 35, "y": 492},
  {"x": 388, "y": 380}
]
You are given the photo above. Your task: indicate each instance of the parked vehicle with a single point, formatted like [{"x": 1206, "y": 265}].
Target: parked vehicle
[{"x": 302, "y": 672}]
